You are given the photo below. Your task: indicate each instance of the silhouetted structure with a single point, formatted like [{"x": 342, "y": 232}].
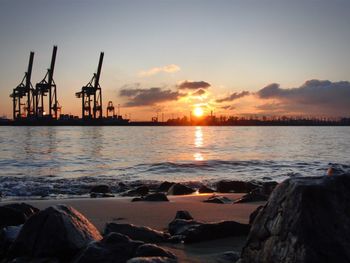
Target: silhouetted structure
[
  {"x": 110, "y": 109},
  {"x": 91, "y": 95},
  {"x": 47, "y": 85},
  {"x": 24, "y": 89}
]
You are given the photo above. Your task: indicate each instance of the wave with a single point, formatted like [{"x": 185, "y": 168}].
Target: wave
[{"x": 205, "y": 171}]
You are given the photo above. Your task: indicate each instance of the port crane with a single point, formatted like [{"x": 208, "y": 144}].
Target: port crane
[
  {"x": 47, "y": 87},
  {"x": 24, "y": 89},
  {"x": 91, "y": 95},
  {"x": 110, "y": 109}
]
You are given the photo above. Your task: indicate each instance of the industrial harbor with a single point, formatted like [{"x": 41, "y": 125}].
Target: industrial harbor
[{"x": 39, "y": 106}]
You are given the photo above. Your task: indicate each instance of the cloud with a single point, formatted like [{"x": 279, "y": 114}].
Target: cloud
[
  {"x": 153, "y": 71},
  {"x": 316, "y": 97},
  {"x": 148, "y": 97},
  {"x": 199, "y": 92},
  {"x": 228, "y": 107},
  {"x": 234, "y": 96},
  {"x": 194, "y": 85}
]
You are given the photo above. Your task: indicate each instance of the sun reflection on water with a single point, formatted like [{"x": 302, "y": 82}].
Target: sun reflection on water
[{"x": 198, "y": 143}]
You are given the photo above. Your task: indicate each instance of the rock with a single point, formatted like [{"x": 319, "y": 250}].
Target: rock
[
  {"x": 141, "y": 190},
  {"x": 26, "y": 209},
  {"x": 97, "y": 195},
  {"x": 180, "y": 189},
  {"x": 156, "y": 197},
  {"x": 102, "y": 189},
  {"x": 151, "y": 250},
  {"x": 205, "y": 190},
  {"x": 180, "y": 226},
  {"x": 254, "y": 214},
  {"x": 15, "y": 214},
  {"x": 34, "y": 260},
  {"x": 218, "y": 200},
  {"x": 227, "y": 257},
  {"x": 113, "y": 248},
  {"x": 306, "y": 219},
  {"x": 152, "y": 260},
  {"x": 251, "y": 197},
  {"x": 210, "y": 231},
  {"x": 235, "y": 186},
  {"x": 183, "y": 214},
  {"x": 7, "y": 237},
  {"x": 58, "y": 231},
  {"x": 137, "y": 199},
  {"x": 268, "y": 187},
  {"x": 164, "y": 187},
  {"x": 141, "y": 233}
]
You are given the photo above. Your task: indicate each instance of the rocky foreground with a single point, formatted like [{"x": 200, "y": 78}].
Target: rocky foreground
[{"x": 304, "y": 220}]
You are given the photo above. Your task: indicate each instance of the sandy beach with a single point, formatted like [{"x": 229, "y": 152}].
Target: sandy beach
[{"x": 157, "y": 215}]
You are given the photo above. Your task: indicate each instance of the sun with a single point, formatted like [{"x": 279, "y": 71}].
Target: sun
[{"x": 198, "y": 112}]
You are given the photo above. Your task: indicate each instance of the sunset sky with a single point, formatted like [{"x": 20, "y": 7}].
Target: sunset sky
[{"x": 230, "y": 57}]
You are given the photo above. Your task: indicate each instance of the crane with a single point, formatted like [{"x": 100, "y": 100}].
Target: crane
[
  {"x": 91, "y": 95},
  {"x": 24, "y": 89},
  {"x": 47, "y": 85}
]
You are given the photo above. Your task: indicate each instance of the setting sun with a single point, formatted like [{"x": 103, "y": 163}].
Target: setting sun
[{"x": 198, "y": 112}]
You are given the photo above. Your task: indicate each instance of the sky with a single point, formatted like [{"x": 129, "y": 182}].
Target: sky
[{"x": 237, "y": 57}]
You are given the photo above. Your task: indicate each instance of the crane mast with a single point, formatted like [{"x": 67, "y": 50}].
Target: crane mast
[{"x": 91, "y": 95}]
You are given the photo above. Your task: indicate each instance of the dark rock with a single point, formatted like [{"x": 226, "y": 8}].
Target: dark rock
[
  {"x": 34, "y": 260},
  {"x": 151, "y": 250},
  {"x": 141, "y": 190},
  {"x": 11, "y": 217},
  {"x": 141, "y": 233},
  {"x": 102, "y": 189},
  {"x": 180, "y": 189},
  {"x": 26, "y": 209},
  {"x": 235, "y": 186},
  {"x": 218, "y": 200},
  {"x": 205, "y": 190},
  {"x": 254, "y": 214},
  {"x": 252, "y": 197},
  {"x": 7, "y": 236},
  {"x": 57, "y": 231},
  {"x": 268, "y": 187},
  {"x": 99, "y": 195},
  {"x": 164, "y": 187},
  {"x": 227, "y": 257},
  {"x": 137, "y": 199},
  {"x": 210, "y": 231},
  {"x": 180, "y": 226},
  {"x": 183, "y": 214},
  {"x": 152, "y": 260},
  {"x": 156, "y": 197},
  {"x": 15, "y": 214},
  {"x": 113, "y": 248},
  {"x": 305, "y": 220}
]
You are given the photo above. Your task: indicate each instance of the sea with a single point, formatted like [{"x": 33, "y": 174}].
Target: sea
[{"x": 64, "y": 162}]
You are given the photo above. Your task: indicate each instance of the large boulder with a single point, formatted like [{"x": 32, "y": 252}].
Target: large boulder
[
  {"x": 305, "y": 220},
  {"x": 151, "y": 250},
  {"x": 210, "y": 231},
  {"x": 56, "y": 231},
  {"x": 16, "y": 214},
  {"x": 113, "y": 248},
  {"x": 155, "y": 197},
  {"x": 141, "y": 233},
  {"x": 180, "y": 189},
  {"x": 235, "y": 186},
  {"x": 164, "y": 187}
]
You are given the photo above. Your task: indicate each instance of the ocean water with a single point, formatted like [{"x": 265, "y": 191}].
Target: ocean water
[{"x": 66, "y": 161}]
